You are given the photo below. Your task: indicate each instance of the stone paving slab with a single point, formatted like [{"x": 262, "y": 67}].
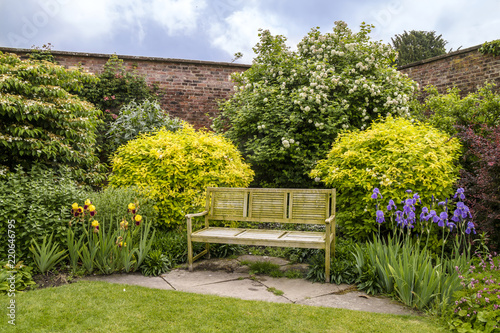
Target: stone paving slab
[
  {"x": 299, "y": 289},
  {"x": 243, "y": 289},
  {"x": 136, "y": 279},
  {"x": 181, "y": 279},
  {"x": 359, "y": 301}
]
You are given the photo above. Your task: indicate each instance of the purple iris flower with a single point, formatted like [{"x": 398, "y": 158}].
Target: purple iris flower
[
  {"x": 470, "y": 227},
  {"x": 460, "y": 193},
  {"x": 376, "y": 193},
  {"x": 451, "y": 225},
  {"x": 409, "y": 191},
  {"x": 423, "y": 215},
  {"x": 432, "y": 214},
  {"x": 380, "y": 216},
  {"x": 399, "y": 217},
  {"x": 443, "y": 217},
  {"x": 391, "y": 204}
]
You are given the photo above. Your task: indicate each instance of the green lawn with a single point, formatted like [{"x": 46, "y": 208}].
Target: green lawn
[{"x": 103, "y": 307}]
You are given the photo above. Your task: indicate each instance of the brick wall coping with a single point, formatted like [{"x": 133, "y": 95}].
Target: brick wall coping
[
  {"x": 443, "y": 56},
  {"x": 129, "y": 57},
  {"x": 225, "y": 64}
]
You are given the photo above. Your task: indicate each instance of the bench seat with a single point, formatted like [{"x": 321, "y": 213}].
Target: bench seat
[{"x": 263, "y": 237}]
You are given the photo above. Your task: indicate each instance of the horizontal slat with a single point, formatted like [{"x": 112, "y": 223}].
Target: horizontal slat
[
  {"x": 267, "y": 220},
  {"x": 229, "y": 204}
]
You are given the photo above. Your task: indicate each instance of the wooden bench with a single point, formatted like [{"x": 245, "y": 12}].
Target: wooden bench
[{"x": 263, "y": 205}]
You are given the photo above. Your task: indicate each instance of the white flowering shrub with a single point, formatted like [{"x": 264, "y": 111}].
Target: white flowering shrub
[
  {"x": 41, "y": 122},
  {"x": 289, "y": 107}
]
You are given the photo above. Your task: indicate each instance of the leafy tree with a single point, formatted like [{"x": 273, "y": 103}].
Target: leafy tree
[
  {"x": 290, "y": 105},
  {"x": 41, "y": 122},
  {"x": 117, "y": 86},
  {"x": 446, "y": 111},
  {"x": 417, "y": 45}
]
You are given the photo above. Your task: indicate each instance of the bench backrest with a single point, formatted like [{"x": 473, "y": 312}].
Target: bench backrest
[{"x": 270, "y": 205}]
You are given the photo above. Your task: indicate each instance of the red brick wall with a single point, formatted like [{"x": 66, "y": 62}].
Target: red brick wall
[
  {"x": 190, "y": 88},
  {"x": 466, "y": 69}
]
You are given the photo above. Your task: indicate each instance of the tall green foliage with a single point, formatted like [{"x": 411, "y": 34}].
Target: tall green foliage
[
  {"x": 37, "y": 200},
  {"x": 117, "y": 86},
  {"x": 445, "y": 111},
  {"x": 40, "y": 121},
  {"x": 418, "y": 45},
  {"x": 492, "y": 48},
  {"x": 175, "y": 168},
  {"x": 393, "y": 155},
  {"x": 137, "y": 118},
  {"x": 290, "y": 105}
]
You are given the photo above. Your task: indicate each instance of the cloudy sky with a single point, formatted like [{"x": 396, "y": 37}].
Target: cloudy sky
[{"x": 214, "y": 30}]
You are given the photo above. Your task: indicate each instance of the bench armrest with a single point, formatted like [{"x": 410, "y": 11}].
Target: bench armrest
[
  {"x": 330, "y": 219},
  {"x": 189, "y": 222},
  {"x": 188, "y": 216}
]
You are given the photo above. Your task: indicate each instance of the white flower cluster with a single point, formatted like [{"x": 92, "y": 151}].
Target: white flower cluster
[{"x": 288, "y": 142}]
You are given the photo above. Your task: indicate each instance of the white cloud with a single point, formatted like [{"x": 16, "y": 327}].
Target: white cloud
[
  {"x": 461, "y": 22},
  {"x": 239, "y": 31},
  {"x": 177, "y": 16},
  {"x": 90, "y": 19}
]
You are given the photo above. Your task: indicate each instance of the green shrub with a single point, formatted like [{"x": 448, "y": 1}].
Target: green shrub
[
  {"x": 18, "y": 276},
  {"x": 156, "y": 263},
  {"x": 393, "y": 155},
  {"x": 41, "y": 122},
  {"x": 112, "y": 203},
  {"x": 174, "y": 170},
  {"x": 477, "y": 307},
  {"x": 492, "y": 48},
  {"x": 342, "y": 266},
  {"x": 445, "y": 111},
  {"x": 137, "y": 118},
  {"x": 40, "y": 203},
  {"x": 46, "y": 255},
  {"x": 173, "y": 244},
  {"x": 117, "y": 86},
  {"x": 289, "y": 106}
]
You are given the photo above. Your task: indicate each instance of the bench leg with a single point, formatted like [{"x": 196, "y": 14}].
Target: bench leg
[
  {"x": 327, "y": 264},
  {"x": 207, "y": 248},
  {"x": 190, "y": 254}
]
